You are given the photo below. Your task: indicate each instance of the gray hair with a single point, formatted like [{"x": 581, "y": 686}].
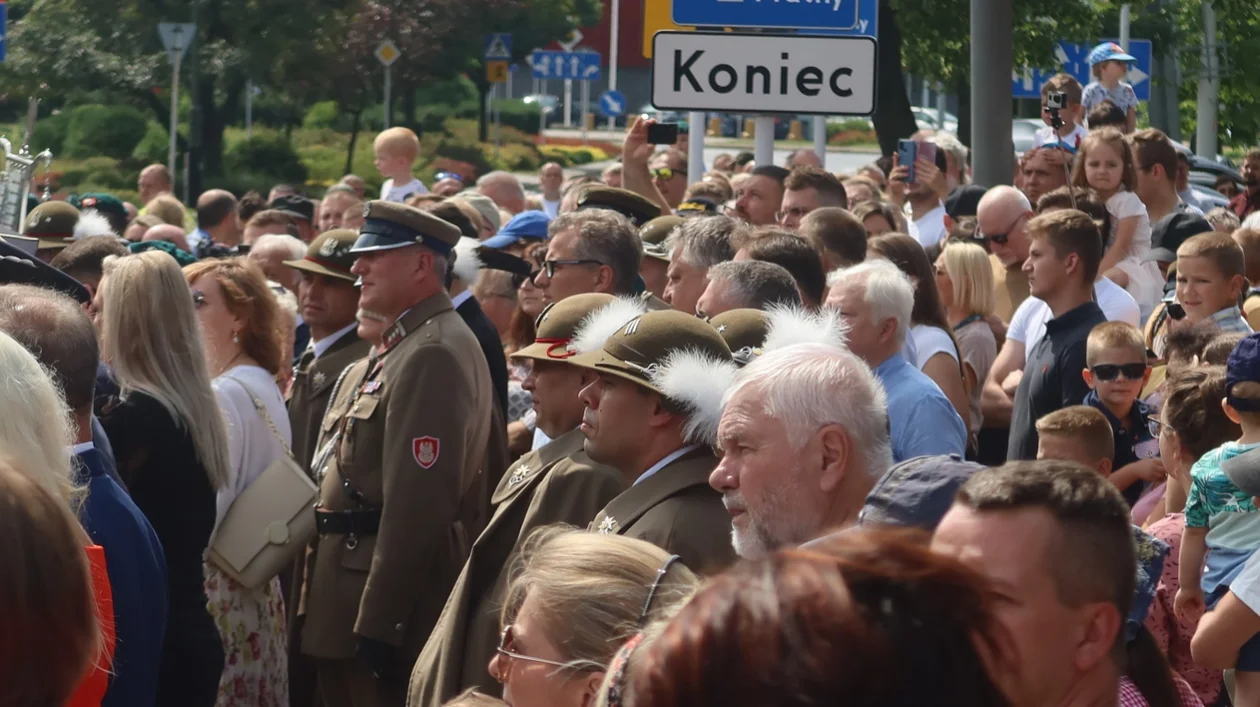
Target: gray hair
[
  {"x": 281, "y": 241},
  {"x": 54, "y": 328},
  {"x": 606, "y": 237},
  {"x": 886, "y": 290},
  {"x": 955, "y": 149},
  {"x": 757, "y": 284},
  {"x": 808, "y": 386},
  {"x": 704, "y": 242}
]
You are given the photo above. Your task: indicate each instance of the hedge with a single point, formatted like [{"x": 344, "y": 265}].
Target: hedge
[
  {"x": 112, "y": 131},
  {"x": 269, "y": 155}
]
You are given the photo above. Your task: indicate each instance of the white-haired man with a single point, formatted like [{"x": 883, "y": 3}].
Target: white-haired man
[
  {"x": 804, "y": 437},
  {"x": 694, "y": 247},
  {"x": 874, "y": 299}
]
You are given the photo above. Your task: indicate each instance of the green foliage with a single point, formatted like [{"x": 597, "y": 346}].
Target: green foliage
[
  {"x": 113, "y": 131},
  {"x": 519, "y": 158},
  {"x": 321, "y": 115},
  {"x": 519, "y": 114},
  {"x": 154, "y": 146},
  {"x": 470, "y": 152},
  {"x": 50, "y": 134},
  {"x": 265, "y": 155}
]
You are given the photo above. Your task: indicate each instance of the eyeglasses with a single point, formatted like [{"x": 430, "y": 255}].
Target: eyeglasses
[
  {"x": 507, "y": 649},
  {"x": 667, "y": 173},
  {"x": 999, "y": 238},
  {"x": 199, "y": 299},
  {"x": 549, "y": 266},
  {"x": 1154, "y": 426},
  {"x": 448, "y": 175},
  {"x": 518, "y": 280},
  {"x": 1112, "y": 371},
  {"x": 798, "y": 213}
]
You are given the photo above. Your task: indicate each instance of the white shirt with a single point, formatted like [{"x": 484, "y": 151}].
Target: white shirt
[
  {"x": 924, "y": 342},
  {"x": 252, "y": 446},
  {"x": 540, "y": 439},
  {"x": 461, "y": 298},
  {"x": 1028, "y": 324},
  {"x": 1047, "y": 135},
  {"x": 930, "y": 229},
  {"x": 552, "y": 208},
  {"x": 666, "y": 461},
  {"x": 389, "y": 192},
  {"x": 326, "y": 343}
]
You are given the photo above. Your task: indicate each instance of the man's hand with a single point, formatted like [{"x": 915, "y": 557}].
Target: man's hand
[
  {"x": 636, "y": 150},
  {"x": 926, "y": 173},
  {"x": 1188, "y": 605},
  {"x": 1011, "y": 384},
  {"x": 897, "y": 183},
  {"x": 380, "y": 658}
]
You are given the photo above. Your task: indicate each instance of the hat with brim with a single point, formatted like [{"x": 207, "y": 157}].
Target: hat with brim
[
  {"x": 389, "y": 226},
  {"x": 744, "y": 331},
  {"x": 484, "y": 206},
  {"x": 1109, "y": 51},
  {"x": 916, "y": 492},
  {"x": 527, "y": 225},
  {"x": 559, "y": 323},
  {"x": 656, "y": 251},
  {"x": 1159, "y": 255},
  {"x": 329, "y": 255},
  {"x": 1243, "y": 471}
]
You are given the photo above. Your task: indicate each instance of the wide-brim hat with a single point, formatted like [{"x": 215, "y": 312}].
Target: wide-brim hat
[{"x": 560, "y": 322}]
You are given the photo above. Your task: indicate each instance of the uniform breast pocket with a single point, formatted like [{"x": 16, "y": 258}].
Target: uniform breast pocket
[{"x": 361, "y": 445}]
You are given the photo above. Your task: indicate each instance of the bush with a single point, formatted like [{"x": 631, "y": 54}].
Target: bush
[
  {"x": 50, "y": 134},
  {"x": 321, "y": 115},
  {"x": 265, "y": 155},
  {"x": 154, "y": 146},
  {"x": 519, "y": 114},
  {"x": 113, "y": 131},
  {"x": 464, "y": 151},
  {"x": 110, "y": 177},
  {"x": 519, "y": 158}
]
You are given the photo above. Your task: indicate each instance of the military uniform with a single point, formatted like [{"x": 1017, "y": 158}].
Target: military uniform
[
  {"x": 672, "y": 504},
  {"x": 556, "y": 483},
  {"x": 744, "y": 331},
  {"x": 404, "y": 446},
  {"x": 639, "y": 209},
  {"x": 52, "y": 222}
]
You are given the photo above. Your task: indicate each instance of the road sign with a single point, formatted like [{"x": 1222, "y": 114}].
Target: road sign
[
  {"x": 579, "y": 66},
  {"x": 612, "y": 104},
  {"x": 4, "y": 22},
  {"x": 176, "y": 37},
  {"x": 854, "y": 16},
  {"x": 1074, "y": 59},
  {"x": 750, "y": 72},
  {"x": 657, "y": 17},
  {"x": 387, "y": 53},
  {"x": 498, "y": 47},
  {"x": 575, "y": 38},
  {"x": 496, "y": 71}
]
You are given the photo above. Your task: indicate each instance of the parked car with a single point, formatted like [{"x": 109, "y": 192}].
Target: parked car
[
  {"x": 929, "y": 119},
  {"x": 1024, "y": 133}
]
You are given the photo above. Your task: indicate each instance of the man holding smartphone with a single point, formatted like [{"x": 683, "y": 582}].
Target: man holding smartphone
[{"x": 918, "y": 182}]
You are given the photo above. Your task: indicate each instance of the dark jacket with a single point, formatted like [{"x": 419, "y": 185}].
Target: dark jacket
[{"x": 491, "y": 346}]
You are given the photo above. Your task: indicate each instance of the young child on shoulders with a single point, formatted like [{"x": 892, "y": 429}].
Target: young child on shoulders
[
  {"x": 1109, "y": 64},
  {"x": 1105, "y": 165},
  {"x": 396, "y": 151}
]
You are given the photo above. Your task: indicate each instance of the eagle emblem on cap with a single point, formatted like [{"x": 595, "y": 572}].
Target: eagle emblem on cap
[{"x": 329, "y": 248}]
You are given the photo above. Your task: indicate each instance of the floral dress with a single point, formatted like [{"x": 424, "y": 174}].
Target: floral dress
[{"x": 255, "y": 642}]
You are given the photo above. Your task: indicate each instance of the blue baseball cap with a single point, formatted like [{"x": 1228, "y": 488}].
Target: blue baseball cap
[
  {"x": 917, "y": 492},
  {"x": 527, "y": 224},
  {"x": 1243, "y": 365},
  {"x": 1109, "y": 51}
]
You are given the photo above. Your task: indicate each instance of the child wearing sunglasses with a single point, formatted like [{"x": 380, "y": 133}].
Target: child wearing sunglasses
[{"x": 1116, "y": 371}]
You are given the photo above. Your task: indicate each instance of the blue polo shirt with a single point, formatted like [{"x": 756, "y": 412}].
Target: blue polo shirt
[{"x": 921, "y": 419}]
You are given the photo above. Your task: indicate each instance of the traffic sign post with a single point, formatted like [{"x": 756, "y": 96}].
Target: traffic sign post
[
  {"x": 1074, "y": 59},
  {"x": 496, "y": 72},
  {"x": 576, "y": 66},
  {"x": 497, "y": 56},
  {"x": 612, "y": 104},
  {"x": 856, "y": 17},
  {"x": 498, "y": 47},
  {"x": 387, "y": 53},
  {"x": 4, "y": 23},
  {"x": 176, "y": 37},
  {"x": 747, "y": 72}
]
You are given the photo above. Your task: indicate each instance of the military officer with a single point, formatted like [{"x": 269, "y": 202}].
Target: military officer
[
  {"x": 328, "y": 302},
  {"x": 744, "y": 331},
  {"x": 751, "y": 332},
  {"x": 402, "y": 452},
  {"x": 557, "y": 483},
  {"x": 655, "y": 266},
  {"x": 57, "y": 224},
  {"x": 652, "y": 413}
]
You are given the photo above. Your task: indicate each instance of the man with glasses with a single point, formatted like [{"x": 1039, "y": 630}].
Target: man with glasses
[
  {"x": 447, "y": 184},
  {"x": 1000, "y": 221},
  {"x": 807, "y": 189},
  {"x": 593, "y": 250},
  {"x": 669, "y": 174}
]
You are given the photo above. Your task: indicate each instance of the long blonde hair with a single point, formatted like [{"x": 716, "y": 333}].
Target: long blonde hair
[
  {"x": 971, "y": 273},
  {"x": 150, "y": 336},
  {"x": 35, "y": 427}
]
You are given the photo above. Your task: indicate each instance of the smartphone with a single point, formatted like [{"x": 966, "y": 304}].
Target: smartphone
[
  {"x": 907, "y": 151},
  {"x": 663, "y": 133},
  {"x": 927, "y": 151}
]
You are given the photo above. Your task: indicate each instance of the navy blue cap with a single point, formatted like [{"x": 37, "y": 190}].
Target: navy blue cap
[
  {"x": 387, "y": 226},
  {"x": 527, "y": 224},
  {"x": 917, "y": 492},
  {"x": 1243, "y": 366}
]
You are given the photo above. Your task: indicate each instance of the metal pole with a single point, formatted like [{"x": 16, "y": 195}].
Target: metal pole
[
  {"x": 1209, "y": 88},
  {"x": 992, "y": 52},
  {"x": 820, "y": 139},
  {"x": 1125, "y": 15},
  {"x": 498, "y": 119},
  {"x": 511, "y": 70},
  {"x": 568, "y": 103},
  {"x": 387, "y": 89},
  {"x": 763, "y": 141},
  {"x": 249, "y": 109},
  {"x": 614, "y": 39},
  {"x": 170, "y": 154},
  {"x": 695, "y": 147},
  {"x": 940, "y": 107},
  {"x": 586, "y": 107}
]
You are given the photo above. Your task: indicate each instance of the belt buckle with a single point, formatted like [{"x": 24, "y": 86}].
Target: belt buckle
[{"x": 352, "y": 541}]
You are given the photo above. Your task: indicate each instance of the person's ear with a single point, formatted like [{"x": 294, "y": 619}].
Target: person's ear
[
  {"x": 949, "y": 223},
  {"x": 1231, "y": 412},
  {"x": 1090, "y": 381},
  {"x": 594, "y": 683},
  {"x": 835, "y": 451},
  {"x": 1102, "y": 623},
  {"x": 604, "y": 279},
  {"x": 1105, "y": 467}
]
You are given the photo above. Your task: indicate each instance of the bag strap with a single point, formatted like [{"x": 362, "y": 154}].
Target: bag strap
[{"x": 262, "y": 410}]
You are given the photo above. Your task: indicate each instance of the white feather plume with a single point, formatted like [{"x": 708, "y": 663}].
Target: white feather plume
[
  {"x": 92, "y": 223},
  {"x": 699, "y": 382},
  {"x": 601, "y": 324},
  {"x": 794, "y": 325},
  {"x": 467, "y": 262}
]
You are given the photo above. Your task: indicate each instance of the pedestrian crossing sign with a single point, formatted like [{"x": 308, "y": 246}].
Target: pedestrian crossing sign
[
  {"x": 496, "y": 71},
  {"x": 498, "y": 47}
]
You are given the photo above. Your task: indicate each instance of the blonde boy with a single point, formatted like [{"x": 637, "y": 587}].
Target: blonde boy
[
  {"x": 1078, "y": 433},
  {"x": 396, "y": 151}
]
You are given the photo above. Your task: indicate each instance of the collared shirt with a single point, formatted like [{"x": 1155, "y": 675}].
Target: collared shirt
[
  {"x": 1231, "y": 321},
  {"x": 921, "y": 419},
  {"x": 326, "y": 343},
  {"x": 461, "y": 298},
  {"x": 666, "y": 461},
  {"x": 1052, "y": 376},
  {"x": 1245, "y": 203},
  {"x": 1133, "y": 439}
]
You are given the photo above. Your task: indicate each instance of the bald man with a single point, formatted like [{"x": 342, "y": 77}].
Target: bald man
[
  {"x": 1001, "y": 217},
  {"x": 504, "y": 190},
  {"x": 170, "y": 234},
  {"x": 217, "y": 219},
  {"x": 803, "y": 158},
  {"x": 155, "y": 180},
  {"x": 271, "y": 251},
  {"x": 551, "y": 180}
]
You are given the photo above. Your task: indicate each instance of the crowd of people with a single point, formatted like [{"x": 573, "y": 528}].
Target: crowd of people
[{"x": 765, "y": 435}]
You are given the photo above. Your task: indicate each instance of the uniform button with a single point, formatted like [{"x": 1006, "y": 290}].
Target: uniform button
[{"x": 354, "y": 409}]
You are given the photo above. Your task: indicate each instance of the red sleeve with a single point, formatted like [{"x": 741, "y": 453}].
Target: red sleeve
[{"x": 92, "y": 688}]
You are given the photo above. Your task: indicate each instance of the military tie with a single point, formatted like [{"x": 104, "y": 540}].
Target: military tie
[{"x": 304, "y": 361}]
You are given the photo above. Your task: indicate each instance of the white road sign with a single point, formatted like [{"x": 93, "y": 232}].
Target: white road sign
[{"x": 763, "y": 73}]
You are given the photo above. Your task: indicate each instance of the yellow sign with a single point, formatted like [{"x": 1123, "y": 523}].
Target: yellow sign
[
  {"x": 496, "y": 71},
  {"x": 657, "y": 16},
  {"x": 387, "y": 52}
]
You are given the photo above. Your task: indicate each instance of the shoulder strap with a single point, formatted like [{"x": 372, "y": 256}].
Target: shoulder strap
[{"x": 262, "y": 410}]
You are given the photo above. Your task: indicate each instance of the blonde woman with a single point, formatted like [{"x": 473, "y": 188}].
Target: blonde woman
[
  {"x": 240, "y": 323},
  {"x": 964, "y": 277},
  {"x": 573, "y": 599},
  {"x": 172, "y": 451}
]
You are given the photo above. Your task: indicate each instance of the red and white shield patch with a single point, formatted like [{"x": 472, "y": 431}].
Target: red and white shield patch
[{"x": 425, "y": 450}]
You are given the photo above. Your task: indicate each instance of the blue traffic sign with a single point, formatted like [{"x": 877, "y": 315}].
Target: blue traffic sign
[
  {"x": 1074, "y": 59},
  {"x": 4, "y": 22},
  {"x": 848, "y": 17},
  {"x": 612, "y": 104},
  {"x": 579, "y": 66},
  {"x": 498, "y": 47}
]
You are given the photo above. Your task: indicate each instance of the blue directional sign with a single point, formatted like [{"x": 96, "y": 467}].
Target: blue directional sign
[
  {"x": 4, "y": 22},
  {"x": 579, "y": 66},
  {"x": 848, "y": 17},
  {"x": 1074, "y": 59},
  {"x": 612, "y": 104},
  {"x": 498, "y": 47}
]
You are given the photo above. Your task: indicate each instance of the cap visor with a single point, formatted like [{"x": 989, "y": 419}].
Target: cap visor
[
  {"x": 374, "y": 242},
  {"x": 1159, "y": 255},
  {"x": 502, "y": 240},
  {"x": 1124, "y": 57},
  {"x": 294, "y": 214},
  {"x": 545, "y": 352},
  {"x": 308, "y": 266}
]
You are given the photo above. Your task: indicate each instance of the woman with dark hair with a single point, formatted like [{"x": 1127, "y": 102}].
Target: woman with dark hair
[
  {"x": 866, "y": 619},
  {"x": 930, "y": 345},
  {"x": 520, "y": 333}
]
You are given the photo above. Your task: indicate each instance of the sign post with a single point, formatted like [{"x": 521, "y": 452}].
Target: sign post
[
  {"x": 4, "y": 22},
  {"x": 176, "y": 36},
  {"x": 387, "y": 53},
  {"x": 497, "y": 56}
]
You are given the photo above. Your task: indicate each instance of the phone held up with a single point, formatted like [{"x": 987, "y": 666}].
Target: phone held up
[
  {"x": 662, "y": 133},
  {"x": 910, "y": 151}
]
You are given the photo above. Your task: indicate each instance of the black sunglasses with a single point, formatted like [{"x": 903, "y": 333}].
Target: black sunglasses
[
  {"x": 519, "y": 279},
  {"x": 1112, "y": 371},
  {"x": 549, "y": 266}
]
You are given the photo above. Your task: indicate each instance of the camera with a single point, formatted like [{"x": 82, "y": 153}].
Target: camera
[{"x": 1055, "y": 100}]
